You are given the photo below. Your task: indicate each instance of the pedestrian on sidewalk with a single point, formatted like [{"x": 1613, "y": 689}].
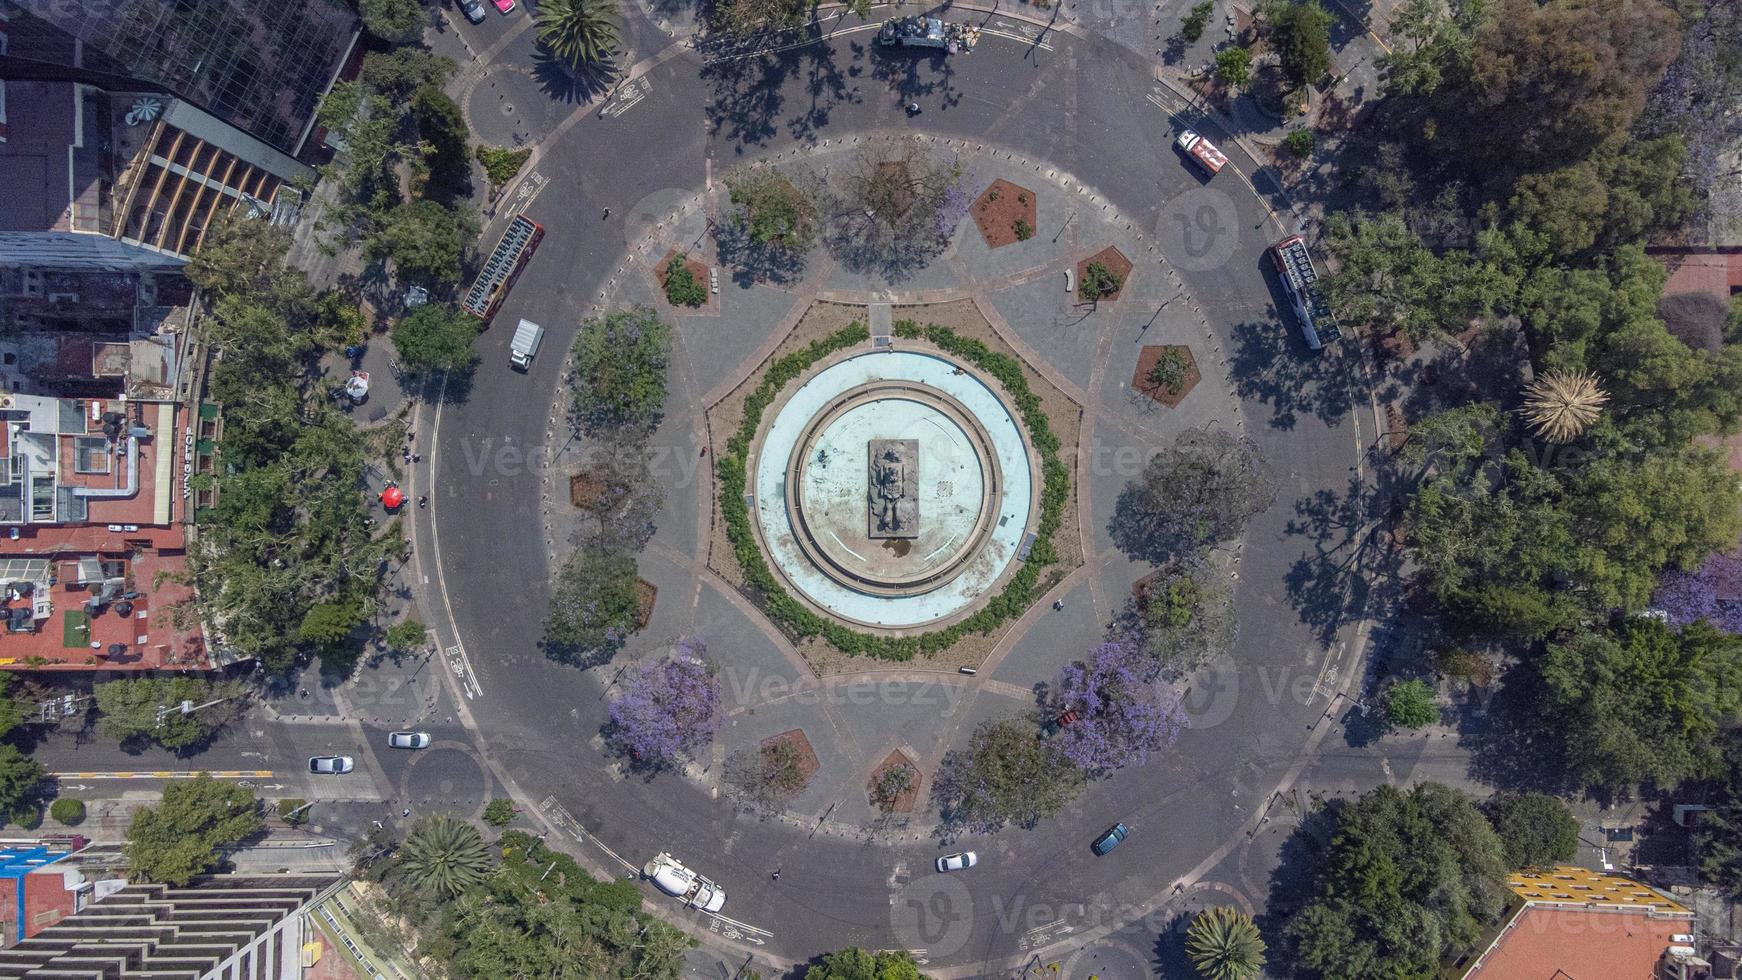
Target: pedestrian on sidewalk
[{"x": 776, "y": 874}]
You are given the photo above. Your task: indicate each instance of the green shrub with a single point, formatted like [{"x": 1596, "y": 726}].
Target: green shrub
[
  {"x": 796, "y": 618},
  {"x": 1024, "y": 230},
  {"x": 1411, "y": 705},
  {"x": 67, "y": 811},
  {"x": 293, "y": 811},
  {"x": 681, "y": 287},
  {"x": 501, "y": 163},
  {"x": 28, "y": 816},
  {"x": 1169, "y": 373},
  {"x": 1098, "y": 282},
  {"x": 499, "y": 813},
  {"x": 1299, "y": 143}
]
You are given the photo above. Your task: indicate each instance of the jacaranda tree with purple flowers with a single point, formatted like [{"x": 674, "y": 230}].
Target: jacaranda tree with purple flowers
[
  {"x": 669, "y": 706},
  {"x": 1123, "y": 712},
  {"x": 1713, "y": 593}
]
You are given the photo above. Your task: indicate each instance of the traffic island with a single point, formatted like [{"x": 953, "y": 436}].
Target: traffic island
[
  {"x": 804, "y": 757},
  {"x": 1166, "y": 373},
  {"x": 1005, "y": 214},
  {"x": 691, "y": 293},
  {"x": 894, "y": 785},
  {"x": 1115, "y": 265}
]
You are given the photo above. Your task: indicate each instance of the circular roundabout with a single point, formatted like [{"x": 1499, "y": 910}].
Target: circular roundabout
[{"x": 893, "y": 489}]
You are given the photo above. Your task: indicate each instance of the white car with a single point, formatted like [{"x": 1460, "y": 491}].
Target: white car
[
  {"x": 957, "y": 862},
  {"x": 408, "y": 740},
  {"x": 330, "y": 765},
  {"x": 473, "y": 9}
]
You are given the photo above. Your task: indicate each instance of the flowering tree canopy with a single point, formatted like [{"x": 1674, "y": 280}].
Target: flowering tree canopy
[
  {"x": 1123, "y": 714},
  {"x": 1713, "y": 593},
  {"x": 668, "y": 706}
]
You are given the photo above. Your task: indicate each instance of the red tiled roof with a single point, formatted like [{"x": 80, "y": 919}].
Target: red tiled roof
[
  {"x": 1715, "y": 273},
  {"x": 150, "y": 638},
  {"x": 1543, "y": 943}
]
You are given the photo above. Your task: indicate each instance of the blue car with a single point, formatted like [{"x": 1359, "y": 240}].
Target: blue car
[{"x": 1109, "y": 840}]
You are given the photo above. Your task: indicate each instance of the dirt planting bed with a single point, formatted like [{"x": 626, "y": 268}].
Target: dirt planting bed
[
  {"x": 998, "y": 210},
  {"x": 1115, "y": 261},
  {"x": 807, "y": 756},
  {"x": 1146, "y": 361}
]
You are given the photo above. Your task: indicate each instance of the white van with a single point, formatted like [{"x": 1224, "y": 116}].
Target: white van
[{"x": 524, "y": 347}]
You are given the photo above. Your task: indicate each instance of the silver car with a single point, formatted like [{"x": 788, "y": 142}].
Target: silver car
[
  {"x": 473, "y": 9},
  {"x": 330, "y": 765},
  {"x": 408, "y": 740}
]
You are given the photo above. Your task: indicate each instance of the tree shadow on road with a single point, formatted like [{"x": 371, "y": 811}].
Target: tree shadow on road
[
  {"x": 568, "y": 83},
  {"x": 1355, "y": 563},
  {"x": 1271, "y": 365}
]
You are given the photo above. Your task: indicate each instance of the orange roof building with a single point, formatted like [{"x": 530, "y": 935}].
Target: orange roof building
[{"x": 1571, "y": 923}]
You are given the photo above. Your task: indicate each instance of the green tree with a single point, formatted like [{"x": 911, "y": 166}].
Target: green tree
[
  {"x": 859, "y": 964},
  {"x": 1234, "y": 67},
  {"x": 580, "y": 32},
  {"x": 1717, "y": 836},
  {"x": 407, "y": 634},
  {"x": 424, "y": 240},
  {"x": 1183, "y": 617},
  {"x": 499, "y": 813},
  {"x": 1643, "y": 705},
  {"x": 681, "y": 287},
  {"x": 765, "y": 778},
  {"x": 744, "y": 17},
  {"x": 1193, "y": 26},
  {"x": 1005, "y": 775},
  {"x": 238, "y": 253},
  {"x": 772, "y": 208},
  {"x": 442, "y": 140},
  {"x": 21, "y": 779},
  {"x": 1168, "y": 374},
  {"x": 1300, "y": 143},
  {"x": 1224, "y": 944},
  {"x": 620, "y": 361},
  {"x": 444, "y": 856},
  {"x": 399, "y": 21},
  {"x": 67, "y": 811},
  {"x": 127, "y": 709},
  {"x": 1196, "y": 493},
  {"x": 1536, "y": 830},
  {"x": 1098, "y": 283},
  {"x": 330, "y": 623},
  {"x": 436, "y": 337},
  {"x": 1411, "y": 705},
  {"x": 594, "y": 607},
  {"x": 12, "y": 710},
  {"x": 181, "y": 836},
  {"x": 1301, "y": 34},
  {"x": 1408, "y": 877}
]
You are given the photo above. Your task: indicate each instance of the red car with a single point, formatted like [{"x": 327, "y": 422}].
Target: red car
[{"x": 506, "y": 6}]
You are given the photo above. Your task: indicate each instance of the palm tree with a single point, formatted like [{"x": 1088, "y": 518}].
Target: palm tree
[
  {"x": 444, "y": 855},
  {"x": 1561, "y": 406},
  {"x": 580, "y": 31},
  {"x": 1224, "y": 945}
]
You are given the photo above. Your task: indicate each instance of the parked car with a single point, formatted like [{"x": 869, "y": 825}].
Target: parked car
[
  {"x": 957, "y": 862},
  {"x": 1109, "y": 840},
  {"x": 506, "y": 6},
  {"x": 330, "y": 765},
  {"x": 473, "y": 9},
  {"x": 408, "y": 740}
]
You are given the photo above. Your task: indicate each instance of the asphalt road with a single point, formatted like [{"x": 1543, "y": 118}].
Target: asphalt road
[{"x": 1085, "y": 107}]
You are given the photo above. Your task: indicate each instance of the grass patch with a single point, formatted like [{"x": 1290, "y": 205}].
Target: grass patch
[{"x": 73, "y": 632}]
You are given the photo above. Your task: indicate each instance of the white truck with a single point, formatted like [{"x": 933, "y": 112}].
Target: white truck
[
  {"x": 1201, "y": 150},
  {"x": 669, "y": 875},
  {"x": 524, "y": 347}
]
